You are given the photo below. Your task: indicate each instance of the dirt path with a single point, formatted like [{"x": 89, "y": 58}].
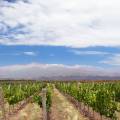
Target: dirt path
[
  {"x": 30, "y": 112},
  {"x": 62, "y": 109}
]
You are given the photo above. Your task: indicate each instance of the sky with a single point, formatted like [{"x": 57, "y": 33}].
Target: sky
[{"x": 59, "y": 37}]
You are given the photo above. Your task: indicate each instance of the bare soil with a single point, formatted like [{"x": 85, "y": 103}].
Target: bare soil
[
  {"x": 118, "y": 115},
  {"x": 30, "y": 112},
  {"x": 62, "y": 109}
]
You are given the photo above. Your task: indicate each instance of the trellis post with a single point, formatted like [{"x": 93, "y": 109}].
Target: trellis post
[
  {"x": 2, "y": 103},
  {"x": 44, "y": 104}
]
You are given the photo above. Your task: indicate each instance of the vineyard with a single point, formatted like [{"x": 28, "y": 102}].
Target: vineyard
[
  {"x": 59, "y": 100},
  {"x": 16, "y": 96}
]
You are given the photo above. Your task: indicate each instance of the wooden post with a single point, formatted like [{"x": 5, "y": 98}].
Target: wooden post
[
  {"x": 93, "y": 114},
  {"x": 44, "y": 104},
  {"x": 2, "y": 103}
]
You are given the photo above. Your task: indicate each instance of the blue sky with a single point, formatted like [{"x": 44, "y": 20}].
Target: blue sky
[
  {"x": 60, "y": 32},
  {"x": 94, "y": 56}
]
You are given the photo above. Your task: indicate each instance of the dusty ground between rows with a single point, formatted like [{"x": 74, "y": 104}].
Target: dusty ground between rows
[
  {"x": 31, "y": 112},
  {"x": 62, "y": 109}
]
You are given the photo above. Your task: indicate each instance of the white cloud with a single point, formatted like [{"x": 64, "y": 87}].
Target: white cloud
[
  {"x": 72, "y": 23},
  {"x": 30, "y": 53},
  {"x": 113, "y": 60},
  {"x": 78, "y": 52},
  {"x": 36, "y": 70}
]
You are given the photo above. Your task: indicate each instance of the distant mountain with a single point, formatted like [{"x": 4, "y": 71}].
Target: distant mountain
[
  {"x": 57, "y": 72},
  {"x": 73, "y": 78},
  {"x": 80, "y": 78},
  {"x": 67, "y": 78}
]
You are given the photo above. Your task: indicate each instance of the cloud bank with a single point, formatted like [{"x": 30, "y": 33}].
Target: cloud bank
[
  {"x": 37, "y": 71},
  {"x": 78, "y": 52},
  {"x": 70, "y": 23},
  {"x": 113, "y": 60}
]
